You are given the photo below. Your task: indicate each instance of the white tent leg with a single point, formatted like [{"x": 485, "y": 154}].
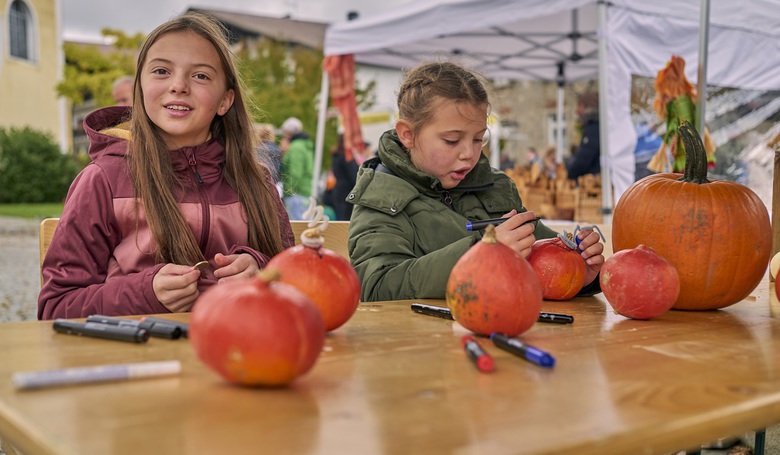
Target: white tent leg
[
  {"x": 559, "y": 129},
  {"x": 495, "y": 153},
  {"x": 320, "y": 139},
  {"x": 701, "y": 83},
  {"x": 606, "y": 180}
]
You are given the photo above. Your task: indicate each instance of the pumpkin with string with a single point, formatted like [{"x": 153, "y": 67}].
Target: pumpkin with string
[{"x": 715, "y": 233}]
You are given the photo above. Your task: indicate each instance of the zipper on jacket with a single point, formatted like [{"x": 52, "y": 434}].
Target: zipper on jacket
[
  {"x": 204, "y": 204},
  {"x": 193, "y": 164},
  {"x": 447, "y": 199}
]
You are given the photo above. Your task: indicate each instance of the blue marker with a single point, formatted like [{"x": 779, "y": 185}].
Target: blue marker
[
  {"x": 482, "y": 224},
  {"x": 520, "y": 349}
]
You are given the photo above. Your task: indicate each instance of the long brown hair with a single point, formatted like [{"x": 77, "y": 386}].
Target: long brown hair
[{"x": 152, "y": 172}]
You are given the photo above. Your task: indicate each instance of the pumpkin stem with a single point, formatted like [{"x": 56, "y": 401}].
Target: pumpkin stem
[
  {"x": 490, "y": 235},
  {"x": 312, "y": 237},
  {"x": 269, "y": 274},
  {"x": 695, "y": 156}
]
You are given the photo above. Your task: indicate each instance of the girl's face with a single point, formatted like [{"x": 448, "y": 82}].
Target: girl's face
[
  {"x": 184, "y": 88},
  {"x": 447, "y": 147}
]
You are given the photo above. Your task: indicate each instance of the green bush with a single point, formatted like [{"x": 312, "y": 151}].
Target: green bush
[{"x": 32, "y": 168}]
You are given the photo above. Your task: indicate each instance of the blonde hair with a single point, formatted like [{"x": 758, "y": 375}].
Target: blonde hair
[
  {"x": 153, "y": 175},
  {"x": 430, "y": 82}
]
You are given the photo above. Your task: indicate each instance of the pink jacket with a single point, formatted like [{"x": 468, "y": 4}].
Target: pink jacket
[{"x": 101, "y": 260}]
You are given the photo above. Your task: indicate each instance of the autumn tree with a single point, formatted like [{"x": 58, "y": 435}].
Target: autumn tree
[{"x": 90, "y": 70}]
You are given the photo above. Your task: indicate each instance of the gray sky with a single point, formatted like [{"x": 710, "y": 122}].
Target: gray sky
[{"x": 83, "y": 19}]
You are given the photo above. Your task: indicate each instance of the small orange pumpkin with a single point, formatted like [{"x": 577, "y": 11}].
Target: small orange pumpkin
[{"x": 716, "y": 233}]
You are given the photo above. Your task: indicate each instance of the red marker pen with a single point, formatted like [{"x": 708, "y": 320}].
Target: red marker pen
[{"x": 479, "y": 356}]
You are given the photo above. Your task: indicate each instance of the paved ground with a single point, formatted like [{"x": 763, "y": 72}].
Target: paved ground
[
  {"x": 20, "y": 284},
  {"x": 19, "y": 265}
]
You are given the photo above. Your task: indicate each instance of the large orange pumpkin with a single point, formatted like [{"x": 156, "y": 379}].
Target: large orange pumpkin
[{"x": 716, "y": 233}]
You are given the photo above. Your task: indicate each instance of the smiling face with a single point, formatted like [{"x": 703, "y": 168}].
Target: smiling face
[
  {"x": 184, "y": 87},
  {"x": 448, "y": 147}
]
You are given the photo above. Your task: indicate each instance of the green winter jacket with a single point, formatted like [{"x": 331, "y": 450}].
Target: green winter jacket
[
  {"x": 298, "y": 166},
  {"x": 406, "y": 232}
]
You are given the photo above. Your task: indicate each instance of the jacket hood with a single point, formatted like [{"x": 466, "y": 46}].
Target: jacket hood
[{"x": 108, "y": 131}]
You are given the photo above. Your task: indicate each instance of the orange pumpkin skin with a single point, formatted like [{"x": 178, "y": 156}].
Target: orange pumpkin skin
[
  {"x": 561, "y": 270},
  {"x": 255, "y": 332},
  {"x": 325, "y": 277},
  {"x": 638, "y": 283},
  {"x": 493, "y": 289},
  {"x": 716, "y": 234}
]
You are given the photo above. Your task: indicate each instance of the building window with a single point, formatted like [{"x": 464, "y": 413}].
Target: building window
[{"x": 21, "y": 30}]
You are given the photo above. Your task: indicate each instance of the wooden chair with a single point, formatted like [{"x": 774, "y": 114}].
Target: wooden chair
[
  {"x": 335, "y": 235},
  {"x": 46, "y": 231}
]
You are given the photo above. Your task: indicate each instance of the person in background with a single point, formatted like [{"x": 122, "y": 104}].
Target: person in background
[
  {"x": 549, "y": 162},
  {"x": 586, "y": 159},
  {"x": 268, "y": 152},
  {"x": 122, "y": 91},
  {"x": 412, "y": 202},
  {"x": 533, "y": 157},
  {"x": 345, "y": 170},
  {"x": 297, "y": 167},
  {"x": 173, "y": 182}
]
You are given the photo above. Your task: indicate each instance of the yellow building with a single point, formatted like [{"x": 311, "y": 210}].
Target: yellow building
[{"x": 31, "y": 66}]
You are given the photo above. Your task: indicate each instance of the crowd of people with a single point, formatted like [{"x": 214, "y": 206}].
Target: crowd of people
[{"x": 181, "y": 175}]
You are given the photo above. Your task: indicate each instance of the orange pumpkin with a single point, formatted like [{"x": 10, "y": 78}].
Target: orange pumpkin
[
  {"x": 493, "y": 289},
  {"x": 716, "y": 233}
]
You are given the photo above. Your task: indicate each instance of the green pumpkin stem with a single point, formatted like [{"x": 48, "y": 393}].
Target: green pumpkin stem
[{"x": 695, "y": 155}]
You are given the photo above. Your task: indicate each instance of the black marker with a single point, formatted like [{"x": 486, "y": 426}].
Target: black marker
[
  {"x": 556, "y": 318},
  {"x": 110, "y": 332},
  {"x": 156, "y": 329},
  {"x": 520, "y": 349},
  {"x": 184, "y": 327},
  {"x": 482, "y": 224},
  {"x": 445, "y": 313},
  {"x": 431, "y": 310}
]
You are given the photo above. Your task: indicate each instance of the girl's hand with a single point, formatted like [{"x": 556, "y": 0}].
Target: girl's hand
[
  {"x": 235, "y": 267},
  {"x": 516, "y": 235},
  {"x": 176, "y": 287},
  {"x": 591, "y": 250}
]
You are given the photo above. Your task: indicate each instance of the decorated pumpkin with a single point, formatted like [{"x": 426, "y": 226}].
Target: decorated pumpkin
[
  {"x": 559, "y": 267},
  {"x": 323, "y": 275},
  {"x": 715, "y": 233},
  {"x": 258, "y": 331},
  {"x": 638, "y": 283},
  {"x": 493, "y": 289}
]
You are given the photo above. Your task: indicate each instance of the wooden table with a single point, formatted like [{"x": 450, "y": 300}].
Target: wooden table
[{"x": 392, "y": 381}]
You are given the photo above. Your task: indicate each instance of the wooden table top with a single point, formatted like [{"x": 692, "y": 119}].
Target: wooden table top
[{"x": 393, "y": 381}]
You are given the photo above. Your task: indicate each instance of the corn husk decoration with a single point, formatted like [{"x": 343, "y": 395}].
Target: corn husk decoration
[{"x": 675, "y": 101}]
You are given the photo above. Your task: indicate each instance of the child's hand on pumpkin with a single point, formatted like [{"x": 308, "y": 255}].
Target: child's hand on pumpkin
[
  {"x": 592, "y": 251},
  {"x": 235, "y": 266}
]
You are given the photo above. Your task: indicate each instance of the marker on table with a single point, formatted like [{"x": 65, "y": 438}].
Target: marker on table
[
  {"x": 482, "y": 224},
  {"x": 479, "y": 356},
  {"x": 183, "y": 326},
  {"x": 520, "y": 349},
  {"x": 431, "y": 310},
  {"x": 445, "y": 313},
  {"x": 156, "y": 329},
  {"x": 94, "y": 329},
  {"x": 65, "y": 376},
  {"x": 555, "y": 318}
]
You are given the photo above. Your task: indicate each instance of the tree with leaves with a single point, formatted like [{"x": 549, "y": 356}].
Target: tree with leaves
[{"x": 90, "y": 70}]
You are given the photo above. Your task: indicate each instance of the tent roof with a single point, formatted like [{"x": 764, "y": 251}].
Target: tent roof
[
  {"x": 310, "y": 34},
  {"x": 499, "y": 38}
]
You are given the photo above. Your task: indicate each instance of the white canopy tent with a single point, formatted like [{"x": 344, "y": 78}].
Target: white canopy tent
[{"x": 528, "y": 39}]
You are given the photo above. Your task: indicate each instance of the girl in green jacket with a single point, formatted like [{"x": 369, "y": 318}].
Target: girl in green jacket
[{"x": 412, "y": 201}]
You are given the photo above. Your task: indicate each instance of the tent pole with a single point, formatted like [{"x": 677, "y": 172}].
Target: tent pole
[
  {"x": 606, "y": 181},
  {"x": 320, "y": 139},
  {"x": 495, "y": 133},
  {"x": 559, "y": 115},
  {"x": 701, "y": 84}
]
